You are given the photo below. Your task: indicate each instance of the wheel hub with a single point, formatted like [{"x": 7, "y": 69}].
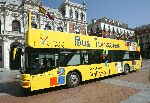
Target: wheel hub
[{"x": 74, "y": 79}]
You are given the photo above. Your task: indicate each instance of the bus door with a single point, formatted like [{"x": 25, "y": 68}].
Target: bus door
[
  {"x": 113, "y": 63},
  {"x": 119, "y": 58},
  {"x": 98, "y": 64},
  {"x": 92, "y": 65}
]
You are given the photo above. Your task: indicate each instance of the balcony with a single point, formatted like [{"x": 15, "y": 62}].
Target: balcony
[{"x": 12, "y": 34}]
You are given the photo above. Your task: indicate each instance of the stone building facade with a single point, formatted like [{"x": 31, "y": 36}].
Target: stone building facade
[
  {"x": 69, "y": 17},
  {"x": 109, "y": 28},
  {"x": 143, "y": 33},
  {"x": 75, "y": 15}
]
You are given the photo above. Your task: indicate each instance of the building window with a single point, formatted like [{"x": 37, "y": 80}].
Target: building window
[
  {"x": 71, "y": 13},
  {"x": 76, "y": 15},
  {"x": 147, "y": 36},
  {"x": 124, "y": 32},
  {"x": 97, "y": 29},
  {"x": 0, "y": 26},
  {"x": 60, "y": 29},
  {"x": 16, "y": 26},
  {"x": 47, "y": 27},
  {"x": 33, "y": 24},
  {"x": 117, "y": 31},
  {"x": 120, "y": 31},
  {"x": 77, "y": 30},
  {"x": 104, "y": 29},
  {"x": 63, "y": 12},
  {"x": 91, "y": 31},
  {"x": 113, "y": 30},
  {"x": 82, "y": 16},
  {"x": 0, "y": 53},
  {"x": 109, "y": 29}
]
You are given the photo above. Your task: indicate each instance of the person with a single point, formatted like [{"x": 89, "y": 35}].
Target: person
[
  {"x": 48, "y": 63},
  {"x": 62, "y": 60},
  {"x": 36, "y": 63},
  {"x": 97, "y": 58},
  {"x": 44, "y": 62}
]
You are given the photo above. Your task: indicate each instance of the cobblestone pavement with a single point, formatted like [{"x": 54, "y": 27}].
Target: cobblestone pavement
[
  {"x": 90, "y": 92},
  {"x": 132, "y": 88},
  {"x": 139, "y": 80},
  {"x": 7, "y": 75},
  {"x": 142, "y": 97}
]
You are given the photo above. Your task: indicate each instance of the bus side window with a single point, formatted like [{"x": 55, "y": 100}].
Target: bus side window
[
  {"x": 126, "y": 56},
  {"x": 103, "y": 57},
  {"x": 106, "y": 58},
  {"x": 98, "y": 56},
  {"x": 85, "y": 58},
  {"x": 119, "y": 56},
  {"x": 109, "y": 57},
  {"x": 112, "y": 56},
  {"x": 90, "y": 58},
  {"x": 134, "y": 55},
  {"x": 48, "y": 63}
]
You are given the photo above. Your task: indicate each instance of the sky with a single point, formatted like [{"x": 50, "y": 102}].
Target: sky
[{"x": 135, "y": 13}]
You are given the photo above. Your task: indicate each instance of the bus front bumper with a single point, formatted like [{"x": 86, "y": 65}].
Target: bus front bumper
[
  {"x": 25, "y": 81},
  {"x": 25, "y": 84}
]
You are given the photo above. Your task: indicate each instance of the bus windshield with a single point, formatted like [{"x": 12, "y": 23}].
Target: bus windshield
[{"x": 40, "y": 60}]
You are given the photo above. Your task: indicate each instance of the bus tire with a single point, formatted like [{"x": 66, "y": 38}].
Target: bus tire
[
  {"x": 126, "y": 69},
  {"x": 25, "y": 91},
  {"x": 73, "y": 79}
]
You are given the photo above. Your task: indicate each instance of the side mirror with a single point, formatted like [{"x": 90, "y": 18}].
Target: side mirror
[{"x": 14, "y": 53}]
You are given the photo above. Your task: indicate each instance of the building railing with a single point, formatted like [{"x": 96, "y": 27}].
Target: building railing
[
  {"x": 125, "y": 37},
  {"x": 12, "y": 33}
]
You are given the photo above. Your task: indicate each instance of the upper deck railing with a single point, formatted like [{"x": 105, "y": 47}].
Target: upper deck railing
[{"x": 37, "y": 38}]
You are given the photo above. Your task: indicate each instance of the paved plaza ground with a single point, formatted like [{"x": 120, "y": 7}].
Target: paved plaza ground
[{"x": 131, "y": 88}]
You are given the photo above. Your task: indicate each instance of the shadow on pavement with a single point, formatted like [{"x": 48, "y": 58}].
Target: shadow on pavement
[
  {"x": 14, "y": 88},
  {"x": 11, "y": 88}
]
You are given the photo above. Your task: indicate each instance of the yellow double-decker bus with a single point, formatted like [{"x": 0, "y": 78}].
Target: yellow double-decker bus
[{"x": 57, "y": 58}]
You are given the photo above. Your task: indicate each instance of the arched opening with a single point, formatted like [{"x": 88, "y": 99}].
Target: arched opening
[
  {"x": 82, "y": 16},
  {"x": 113, "y": 31},
  {"x": 34, "y": 25},
  {"x": 76, "y": 14},
  {"x": 15, "y": 63},
  {"x": 0, "y": 53},
  {"x": 16, "y": 26},
  {"x": 0, "y": 26},
  {"x": 71, "y": 13},
  {"x": 60, "y": 29}
]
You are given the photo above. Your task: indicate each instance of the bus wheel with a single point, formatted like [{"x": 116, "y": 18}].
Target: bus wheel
[
  {"x": 73, "y": 79},
  {"x": 25, "y": 91},
  {"x": 126, "y": 69}
]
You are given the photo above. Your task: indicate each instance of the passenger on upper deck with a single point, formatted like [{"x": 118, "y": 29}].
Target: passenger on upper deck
[{"x": 112, "y": 34}]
